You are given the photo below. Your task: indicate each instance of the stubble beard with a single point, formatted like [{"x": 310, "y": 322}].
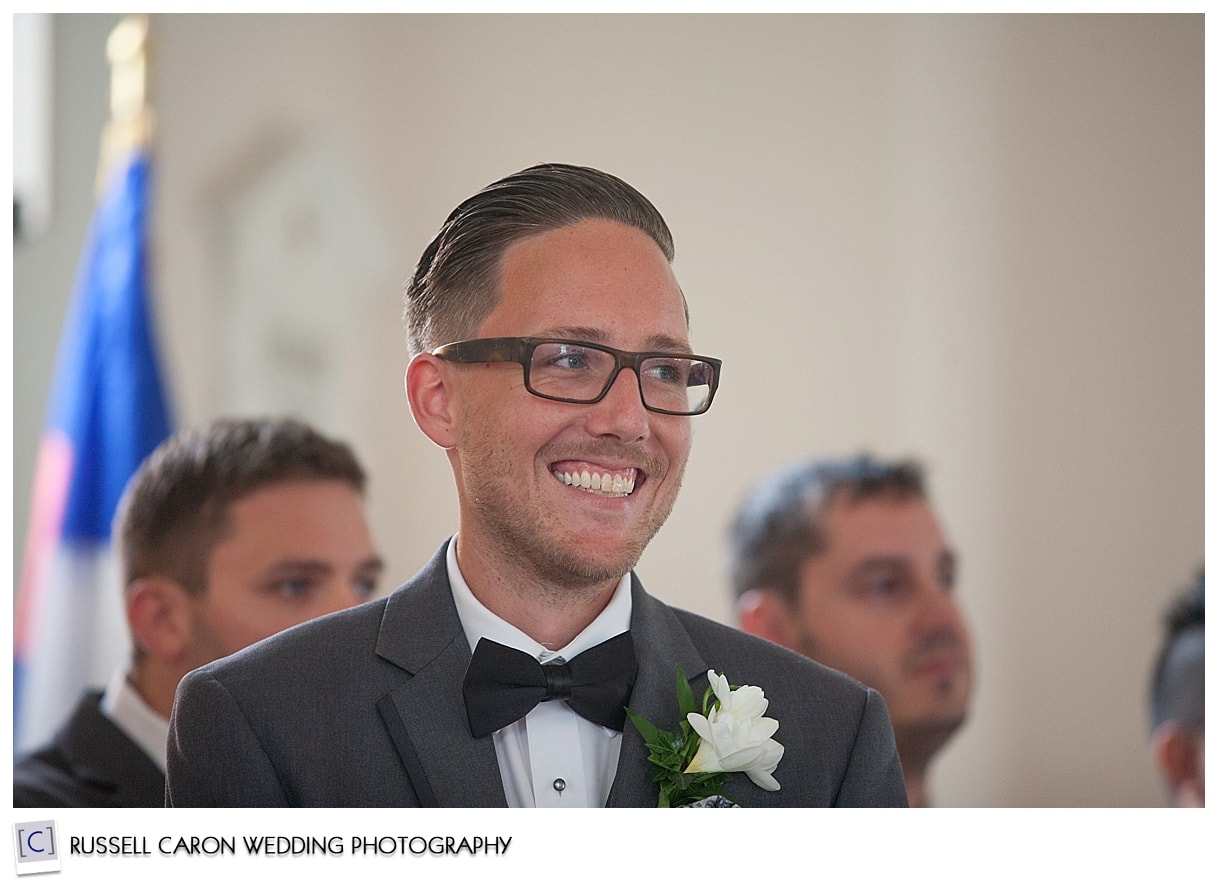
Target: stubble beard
[
  {"x": 922, "y": 735},
  {"x": 532, "y": 536},
  {"x": 918, "y": 737}
]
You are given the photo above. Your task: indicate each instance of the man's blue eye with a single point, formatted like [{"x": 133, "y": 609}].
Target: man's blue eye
[
  {"x": 572, "y": 360},
  {"x": 885, "y": 587},
  {"x": 292, "y": 587},
  {"x": 666, "y": 372}
]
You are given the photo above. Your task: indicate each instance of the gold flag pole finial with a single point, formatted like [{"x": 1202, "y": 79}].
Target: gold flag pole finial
[{"x": 131, "y": 119}]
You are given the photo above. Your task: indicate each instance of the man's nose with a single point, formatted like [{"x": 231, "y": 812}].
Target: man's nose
[
  {"x": 938, "y": 611},
  {"x": 340, "y": 595},
  {"x": 621, "y": 412}
]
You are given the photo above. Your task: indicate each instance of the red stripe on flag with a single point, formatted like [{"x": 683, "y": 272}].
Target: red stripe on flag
[{"x": 49, "y": 499}]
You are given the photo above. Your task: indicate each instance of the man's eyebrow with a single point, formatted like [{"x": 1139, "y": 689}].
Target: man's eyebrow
[
  {"x": 296, "y": 566},
  {"x": 881, "y": 562},
  {"x": 374, "y": 564},
  {"x": 664, "y": 343},
  {"x": 654, "y": 343},
  {"x": 571, "y": 332},
  {"x": 314, "y": 566}
]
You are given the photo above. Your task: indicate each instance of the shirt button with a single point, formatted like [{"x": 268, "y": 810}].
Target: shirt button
[{"x": 560, "y": 785}]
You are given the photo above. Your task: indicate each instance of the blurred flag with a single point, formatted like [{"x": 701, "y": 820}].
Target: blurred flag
[{"x": 107, "y": 411}]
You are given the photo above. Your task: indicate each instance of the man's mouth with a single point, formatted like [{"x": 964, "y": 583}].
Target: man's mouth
[
  {"x": 602, "y": 482},
  {"x": 943, "y": 663},
  {"x": 940, "y": 667}
]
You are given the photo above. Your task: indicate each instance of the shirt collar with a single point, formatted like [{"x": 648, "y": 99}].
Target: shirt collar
[
  {"x": 128, "y": 710},
  {"x": 479, "y": 622}
]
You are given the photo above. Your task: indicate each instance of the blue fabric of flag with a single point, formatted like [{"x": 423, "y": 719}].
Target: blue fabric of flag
[
  {"x": 108, "y": 410},
  {"x": 109, "y": 397}
]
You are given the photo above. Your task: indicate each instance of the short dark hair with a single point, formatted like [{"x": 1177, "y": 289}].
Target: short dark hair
[
  {"x": 456, "y": 283},
  {"x": 1177, "y": 688},
  {"x": 779, "y": 525},
  {"x": 175, "y": 508}
]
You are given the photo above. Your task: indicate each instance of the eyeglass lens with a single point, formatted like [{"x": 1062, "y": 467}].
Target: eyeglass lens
[{"x": 580, "y": 373}]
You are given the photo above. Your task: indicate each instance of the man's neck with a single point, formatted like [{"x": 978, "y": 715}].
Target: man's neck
[
  {"x": 916, "y": 746},
  {"x": 550, "y": 613},
  {"x": 915, "y": 788},
  {"x": 155, "y": 686}
]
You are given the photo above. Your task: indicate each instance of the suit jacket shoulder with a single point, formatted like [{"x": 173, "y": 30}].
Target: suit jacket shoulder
[
  {"x": 839, "y": 749},
  {"x": 338, "y": 711},
  {"x": 90, "y": 763}
]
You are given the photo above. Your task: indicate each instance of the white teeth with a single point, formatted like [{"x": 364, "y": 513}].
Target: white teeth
[{"x": 605, "y": 485}]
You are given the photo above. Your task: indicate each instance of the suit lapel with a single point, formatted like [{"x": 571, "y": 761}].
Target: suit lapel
[
  {"x": 663, "y": 646},
  {"x": 425, "y": 715}
]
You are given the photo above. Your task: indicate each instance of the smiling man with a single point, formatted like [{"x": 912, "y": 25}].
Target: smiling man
[
  {"x": 845, "y": 562},
  {"x": 552, "y": 364},
  {"x": 228, "y": 533}
]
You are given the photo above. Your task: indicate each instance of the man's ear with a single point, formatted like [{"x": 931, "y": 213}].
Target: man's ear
[
  {"x": 765, "y": 614},
  {"x": 429, "y": 394},
  {"x": 1177, "y": 754},
  {"x": 158, "y": 611}
]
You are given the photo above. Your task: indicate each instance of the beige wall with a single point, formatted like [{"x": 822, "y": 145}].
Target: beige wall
[{"x": 977, "y": 240}]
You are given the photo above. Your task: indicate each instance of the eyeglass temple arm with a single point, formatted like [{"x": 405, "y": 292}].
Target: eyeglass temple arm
[{"x": 485, "y": 349}]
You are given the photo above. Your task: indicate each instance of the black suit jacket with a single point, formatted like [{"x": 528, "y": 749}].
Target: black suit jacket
[
  {"x": 364, "y": 708},
  {"x": 90, "y": 763}
]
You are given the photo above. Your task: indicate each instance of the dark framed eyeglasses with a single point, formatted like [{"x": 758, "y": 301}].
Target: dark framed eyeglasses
[{"x": 582, "y": 373}]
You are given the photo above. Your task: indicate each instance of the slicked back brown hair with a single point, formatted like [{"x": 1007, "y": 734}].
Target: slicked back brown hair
[{"x": 456, "y": 283}]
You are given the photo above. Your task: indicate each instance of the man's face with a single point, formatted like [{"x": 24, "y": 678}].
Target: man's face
[
  {"x": 878, "y": 604},
  {"x": 293, "y": 551},
  {"x": 596, "y": 281}
]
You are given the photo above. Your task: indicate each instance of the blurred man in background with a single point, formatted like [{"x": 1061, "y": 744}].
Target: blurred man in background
[
  {"x": 845, "y": 562},
  {"x": 228, "y": 533},
  {"x": 1177, "y": 700}
]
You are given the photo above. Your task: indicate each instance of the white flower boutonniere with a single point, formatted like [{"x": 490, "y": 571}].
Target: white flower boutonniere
[{"x": 732, "y": 734}]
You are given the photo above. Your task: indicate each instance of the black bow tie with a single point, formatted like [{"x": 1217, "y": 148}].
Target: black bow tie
[{"x": 503, "y": 684}]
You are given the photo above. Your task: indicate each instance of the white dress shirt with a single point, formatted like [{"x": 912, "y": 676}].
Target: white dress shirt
[
  {"x": 127, "y": 710},
  {"x": 552, "y": 757}
]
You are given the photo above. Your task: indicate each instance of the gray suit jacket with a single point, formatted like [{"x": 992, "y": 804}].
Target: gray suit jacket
[{"x": 364, "y": 708}]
